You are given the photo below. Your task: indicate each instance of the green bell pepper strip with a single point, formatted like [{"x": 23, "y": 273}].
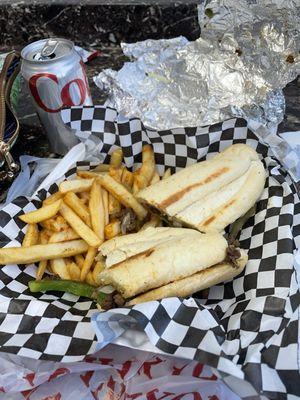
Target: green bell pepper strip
[{"x": 77, "y": 288}]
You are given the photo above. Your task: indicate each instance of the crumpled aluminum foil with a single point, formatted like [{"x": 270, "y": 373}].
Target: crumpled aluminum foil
[{"x": 246, "y": 54}]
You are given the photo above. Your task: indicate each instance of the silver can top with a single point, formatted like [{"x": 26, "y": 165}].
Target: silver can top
[{"x": 46, "y": 50}]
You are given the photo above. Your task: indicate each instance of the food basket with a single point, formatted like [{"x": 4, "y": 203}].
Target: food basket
[{"x": 246, "y": 329}]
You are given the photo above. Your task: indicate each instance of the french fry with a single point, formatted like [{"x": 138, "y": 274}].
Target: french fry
[
  {"x": 166, "y": 174},
  {"x": 140, "y": 182},
  {"x": 76, "y": 185},
  {"x": 102, "y": 168},
  {"x": 116, "y": 173},
  {"x": 52, "y": 199},
  {"x": 31, "y": 236},
  {"x": 51, "y": 225},
  {"x": 41, "y": 214},
  {"x": 62, "y": 223},
  {"x": 59, "y": 268},
  {"x": 135, "y": 186},
  {"x": 127, "y": 179},
  {"x": 154, "y": 222},
  {"x": 100, "y": 265},
  {"x": 122, "y": 195},
  {"x": 41, "y": 269},
  {"x": 42, "y": 264},
  {"x": 79, "y": 259},
  {"x": 74, "y": 202},
  {"x": 88, "y": 262},
  {"x": 148, "y": 161},
  {"x": 74, "y": 271},
  {"x": 112, "y": 229},
  {"x": 88, "y": 174},
  {"x": 47, "y": 233},
  {"x": 45, "y": 236},
  {"x": 39, "y": 252},
  {"x": 146, "y": 172},
  {"x": 114, "y": 206},
  {"x": 105, "y": 206},
  {"x": 155, "y": 178},
  {"x": 116, "y": 158},
  {"x": 79, "y": 226},
  {"x": 97, "y": 210},
  {"x": 84, "y": 197},
  {"x": 63, "y": 236},
  {"x": 90, "y": 280}
]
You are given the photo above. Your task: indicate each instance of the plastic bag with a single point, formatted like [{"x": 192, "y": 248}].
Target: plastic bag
[
  {"x": 114, "y": 373},
  {"x": 35, "y": 172}
]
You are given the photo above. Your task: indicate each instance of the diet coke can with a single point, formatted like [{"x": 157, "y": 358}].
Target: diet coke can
[{"x": 56, "y": 79}]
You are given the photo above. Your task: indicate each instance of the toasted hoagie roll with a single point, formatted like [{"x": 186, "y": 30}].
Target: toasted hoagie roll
[
  {"x": 211, "y": 276},
  {"x": 124, "y": 247},
  {"x": 211, "y": 194},
  {"x": 226, "y": 205},
  {"x": 158, "y": 256}
]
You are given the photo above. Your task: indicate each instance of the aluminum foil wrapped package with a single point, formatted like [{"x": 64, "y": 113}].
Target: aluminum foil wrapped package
[{"x": 246, "y": 54}]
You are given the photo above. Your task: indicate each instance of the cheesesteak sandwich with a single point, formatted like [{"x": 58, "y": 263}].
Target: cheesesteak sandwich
[
  {"x": 211, "y": 194},
  {"x": 163, "y": 262}
]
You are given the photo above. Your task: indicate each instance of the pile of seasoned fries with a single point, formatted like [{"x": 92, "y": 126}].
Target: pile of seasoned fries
[{"x": 64, "y": 235}]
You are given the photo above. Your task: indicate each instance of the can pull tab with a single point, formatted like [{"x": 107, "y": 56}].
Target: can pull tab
[{"x": 49, "y": 48}]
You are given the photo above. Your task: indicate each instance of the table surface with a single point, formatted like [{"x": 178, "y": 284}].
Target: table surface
[{"x": 101, "y": 28}]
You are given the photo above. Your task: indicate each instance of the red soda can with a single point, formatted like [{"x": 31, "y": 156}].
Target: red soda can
[{"x": 56, "y": 79}]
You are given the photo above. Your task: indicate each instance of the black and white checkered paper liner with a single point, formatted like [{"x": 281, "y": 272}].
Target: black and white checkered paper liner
[{"x": 246, "y": 329}]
